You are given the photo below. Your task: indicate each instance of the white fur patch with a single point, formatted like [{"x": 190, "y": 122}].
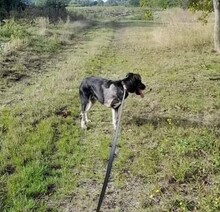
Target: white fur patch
[{"x": 109, "y": 95}]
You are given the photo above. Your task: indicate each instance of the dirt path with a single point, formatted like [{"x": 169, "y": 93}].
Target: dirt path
[{"x": 122, "y": 55}]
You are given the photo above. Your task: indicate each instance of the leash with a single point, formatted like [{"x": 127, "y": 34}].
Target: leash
[{"x": 112, "y": 153}]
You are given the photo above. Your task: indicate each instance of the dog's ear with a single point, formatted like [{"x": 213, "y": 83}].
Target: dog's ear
[
  {"x": 129, "y": 75},
  {"x": 138, "y": 76},
  {"x": 134, "y": 76}
]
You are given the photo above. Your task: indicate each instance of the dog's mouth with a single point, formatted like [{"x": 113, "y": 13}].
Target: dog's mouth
[{"x": 140, "y": 92}]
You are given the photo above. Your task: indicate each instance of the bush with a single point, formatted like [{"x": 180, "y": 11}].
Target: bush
[
  {"x": 161, "y": 3},
  {"x": 12, "y": 29},
  {"x": 44, "y": 44}
]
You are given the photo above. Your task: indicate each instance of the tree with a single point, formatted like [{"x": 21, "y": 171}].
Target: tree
[
  {"x": 216, "y": 4},
  {"x": 100, "y": 2},
  {"x": 55, "y": 9},
  {"x": 134, "y": 3},
  {"x": 6, "y": 6},
  {"x": 208, "y": 6},
  {"x": 51, "y": 3},
  {"x": 161, "y": 3}
]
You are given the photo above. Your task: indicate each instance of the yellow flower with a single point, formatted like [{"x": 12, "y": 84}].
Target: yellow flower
[{"x": 169, "y": 121}]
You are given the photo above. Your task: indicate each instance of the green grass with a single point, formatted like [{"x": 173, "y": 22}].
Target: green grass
[
  {"x": 26, "y": 46},
  {"x": 12, "y": 30},
  {"x": 168, "y": 158},
  {"x": 42, "y": 45},
  {"x": 109, "y": 13}
]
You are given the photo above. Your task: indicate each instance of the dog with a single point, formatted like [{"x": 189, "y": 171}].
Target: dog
[{"x": 107, "y": 92}]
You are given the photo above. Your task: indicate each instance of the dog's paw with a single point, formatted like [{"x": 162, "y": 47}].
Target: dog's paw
[
  {"x": 84, "y": 127},
  {"x": 88, "y": 120}
]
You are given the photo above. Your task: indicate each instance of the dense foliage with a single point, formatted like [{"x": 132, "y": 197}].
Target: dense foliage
[
  {"x": 205, "y": 5},
  {"x": 51, "y": 3},
  {"x": 20, "y": 5},
  {"x": 6, "y": 6},
  {"x": 164, "y": 3}
]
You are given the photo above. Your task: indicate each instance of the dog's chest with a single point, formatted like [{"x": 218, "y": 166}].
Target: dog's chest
[{"x": 110, "y": 96}]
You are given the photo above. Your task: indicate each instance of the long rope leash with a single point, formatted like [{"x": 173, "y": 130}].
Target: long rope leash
[{"x": 112, "y": 153}]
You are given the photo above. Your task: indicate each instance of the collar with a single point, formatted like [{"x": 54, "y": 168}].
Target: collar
[{"x": 124, "y": 86}]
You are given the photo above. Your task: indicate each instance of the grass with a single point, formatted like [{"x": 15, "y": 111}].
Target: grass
[
  {"x": 25, "y": 47},
  {"x": 182, "y": 29},
  {"x": 168, "y": 159},
  {"x": 109, "y": 13}
]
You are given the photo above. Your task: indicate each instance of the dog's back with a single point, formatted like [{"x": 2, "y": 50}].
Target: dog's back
[{"x": 92, "y": 87}]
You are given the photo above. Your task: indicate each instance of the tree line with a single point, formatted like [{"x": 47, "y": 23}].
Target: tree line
[
  {"x": 19, "y": 5},
  {"x": 205, "y": 5}
]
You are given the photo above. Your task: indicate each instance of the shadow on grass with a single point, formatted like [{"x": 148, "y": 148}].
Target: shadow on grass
[
  {"x": 137, "y": 23},
  {"x": 119, "y": 24},
  {"x": 161, "y": 121}
]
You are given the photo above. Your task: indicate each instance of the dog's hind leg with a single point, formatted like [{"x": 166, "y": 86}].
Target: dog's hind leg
[
  {"x": 84, "y": 104},
  {"x": 87, "y": 103},
  {"x": 88, "y": 106}
]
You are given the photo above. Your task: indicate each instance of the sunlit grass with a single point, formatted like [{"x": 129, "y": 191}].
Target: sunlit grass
[{"x": 182, "y": 29}]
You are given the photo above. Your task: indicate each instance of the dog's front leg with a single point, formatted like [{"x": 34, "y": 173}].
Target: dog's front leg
[
  {"x": 114, "y": 117},
  {"x": 83, "y": 120}
]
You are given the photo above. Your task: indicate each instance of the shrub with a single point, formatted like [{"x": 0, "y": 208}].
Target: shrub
[
  {"x": 42, "y": 44},
  {"x": 12, "y": 29}
]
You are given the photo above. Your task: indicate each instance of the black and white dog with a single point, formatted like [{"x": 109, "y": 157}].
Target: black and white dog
[{"x": 107, "y": 92}]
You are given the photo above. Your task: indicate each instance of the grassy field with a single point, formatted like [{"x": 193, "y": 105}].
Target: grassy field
[{"x": 169, "y": 154}]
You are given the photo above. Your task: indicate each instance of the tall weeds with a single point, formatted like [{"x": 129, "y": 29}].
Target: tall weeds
[
  {"x": 181, "y": 29},
  {"x": 43, "y": 24},
  {"x": 13, "y": 37}
]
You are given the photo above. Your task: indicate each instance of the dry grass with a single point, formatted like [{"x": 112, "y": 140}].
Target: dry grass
[
  {"x": 43, "y": 24},
  {"x": 67, "y": 30},
  {"x": 182, "y": 29},
  {"x": 13, "y": 46}
]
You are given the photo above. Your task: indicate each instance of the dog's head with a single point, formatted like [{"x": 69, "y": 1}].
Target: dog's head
[{"x": 133, "y": 84}]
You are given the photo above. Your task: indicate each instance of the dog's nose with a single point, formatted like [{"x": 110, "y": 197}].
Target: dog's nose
[{"x": 143, "y": 87}]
